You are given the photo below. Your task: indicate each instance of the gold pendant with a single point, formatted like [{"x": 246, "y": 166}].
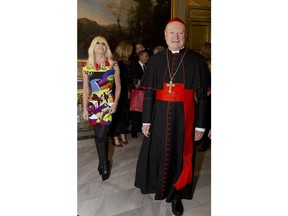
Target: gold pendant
[{"x": 171, "y": 84}]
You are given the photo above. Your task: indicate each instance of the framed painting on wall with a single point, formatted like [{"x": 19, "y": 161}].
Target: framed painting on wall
[
  {"x": 133, "y": 20},
  {"x": 79, "y": 69}
]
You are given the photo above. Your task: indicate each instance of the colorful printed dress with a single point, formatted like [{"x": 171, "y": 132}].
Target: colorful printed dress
[{"x": 102, "y": 96}]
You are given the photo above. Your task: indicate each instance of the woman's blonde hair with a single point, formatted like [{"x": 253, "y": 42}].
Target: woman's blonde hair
[
  {"x": 123, "y": 51},
  {"x": 91, "y": 54}
]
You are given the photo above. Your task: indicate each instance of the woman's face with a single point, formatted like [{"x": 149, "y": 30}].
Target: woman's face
[{"x": 100, "y": 47}]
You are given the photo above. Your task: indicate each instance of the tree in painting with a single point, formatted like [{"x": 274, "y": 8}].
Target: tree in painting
[{"x": 140, "y": 21}]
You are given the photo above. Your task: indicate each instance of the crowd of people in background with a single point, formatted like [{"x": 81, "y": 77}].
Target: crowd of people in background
[{"x": 132, "y": 60}]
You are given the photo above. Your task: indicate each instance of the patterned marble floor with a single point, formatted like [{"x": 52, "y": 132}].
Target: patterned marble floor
[{"x": 118, "y": 196}]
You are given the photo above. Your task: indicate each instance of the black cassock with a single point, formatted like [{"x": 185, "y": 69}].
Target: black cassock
[{"x": 160, "y": 160}]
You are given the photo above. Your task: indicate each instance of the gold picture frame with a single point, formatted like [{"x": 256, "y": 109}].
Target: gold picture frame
[
  {"x": 174, "y": 8},
  {"x": 79, "y": 68}
]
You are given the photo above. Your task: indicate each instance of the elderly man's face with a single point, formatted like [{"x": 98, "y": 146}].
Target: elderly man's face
[{"x": 175, "y": 35}]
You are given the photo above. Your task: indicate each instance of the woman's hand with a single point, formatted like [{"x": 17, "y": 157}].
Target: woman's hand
[
  {"x": 113, "y": 108},
  {"x": 85, "y": 114}
]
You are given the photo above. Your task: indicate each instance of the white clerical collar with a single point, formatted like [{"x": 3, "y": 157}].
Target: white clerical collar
[{"x": 177, "y": 51}]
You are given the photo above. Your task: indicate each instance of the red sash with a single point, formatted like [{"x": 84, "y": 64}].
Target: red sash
[{"x": 180, "y": 94}]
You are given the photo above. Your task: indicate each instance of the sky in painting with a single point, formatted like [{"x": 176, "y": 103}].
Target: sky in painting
[{"x": 98, "y": 10}]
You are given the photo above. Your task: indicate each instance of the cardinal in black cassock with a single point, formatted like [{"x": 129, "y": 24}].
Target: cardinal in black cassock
[{"x": 171, "y": 116}]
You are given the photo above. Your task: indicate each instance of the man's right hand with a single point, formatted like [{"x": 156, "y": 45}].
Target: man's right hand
[{"x": 146, "y": 130}]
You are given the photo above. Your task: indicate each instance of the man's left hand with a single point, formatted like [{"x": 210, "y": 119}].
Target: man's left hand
[{"x": 198, "y": 135}]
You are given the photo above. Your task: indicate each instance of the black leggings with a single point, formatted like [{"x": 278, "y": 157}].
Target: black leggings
[{"x": 101, "y": 133}]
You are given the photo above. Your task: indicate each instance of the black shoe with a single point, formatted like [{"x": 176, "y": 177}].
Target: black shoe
[
  {"x": 134, "y": 135},
  {"x": 177, "y": 207},
  {"x": 106, "y": 171}
]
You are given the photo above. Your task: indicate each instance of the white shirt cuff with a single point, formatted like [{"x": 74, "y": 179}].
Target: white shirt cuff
[{"x": 200, "y": 129}]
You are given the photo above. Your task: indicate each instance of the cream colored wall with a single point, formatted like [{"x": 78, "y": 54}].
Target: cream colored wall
[{"x": 181, "y": 9}]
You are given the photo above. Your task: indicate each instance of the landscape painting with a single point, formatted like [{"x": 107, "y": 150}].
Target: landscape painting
[{"x": 133, "y": 20}]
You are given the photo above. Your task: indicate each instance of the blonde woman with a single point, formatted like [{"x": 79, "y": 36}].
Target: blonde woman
[{"x": 100, "y": 74}]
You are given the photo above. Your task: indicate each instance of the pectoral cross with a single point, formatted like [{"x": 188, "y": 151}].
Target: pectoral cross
[{"x": 171, "y": 84}]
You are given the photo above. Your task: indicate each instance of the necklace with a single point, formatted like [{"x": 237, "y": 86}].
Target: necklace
[
  {"x": 171, "y": 84},
  {"x": 101, "y": 64}
]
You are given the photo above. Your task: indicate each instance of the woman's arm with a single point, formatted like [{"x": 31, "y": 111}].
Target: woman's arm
[
  {"x": 85, "y": 94},
  {"x": 117, "y": 89}
]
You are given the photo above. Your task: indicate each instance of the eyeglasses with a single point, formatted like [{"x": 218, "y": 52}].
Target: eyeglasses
[{"x": 98, "y": 43}]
